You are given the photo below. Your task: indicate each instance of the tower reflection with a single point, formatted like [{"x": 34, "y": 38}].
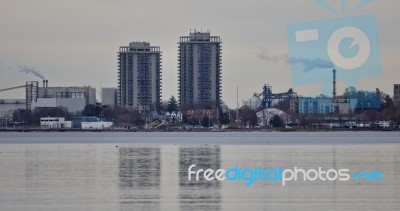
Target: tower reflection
[
  {"x": 139, "y": 178},
  {"x": 202, "y": 194}
]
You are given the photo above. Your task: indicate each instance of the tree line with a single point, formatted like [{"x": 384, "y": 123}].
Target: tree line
[{"x": 247, "y": 117}]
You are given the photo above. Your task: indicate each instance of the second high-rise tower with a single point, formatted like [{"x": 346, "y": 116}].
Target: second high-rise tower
[{"x": 199, "y": 70}]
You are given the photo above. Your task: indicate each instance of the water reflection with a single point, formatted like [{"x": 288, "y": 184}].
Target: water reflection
[
  {"x": 156, "y": 178},
  {"x": 103, "y": 177},
  {"x": 202, "y": 194},
  {"x": 317, "y": 195},
  {"x": 139, "y": 178}
]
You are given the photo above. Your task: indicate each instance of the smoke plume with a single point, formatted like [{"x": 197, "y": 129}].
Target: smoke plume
[
  {"x": 308, "y": 64},
  {"x": 266, "y": 55},
  {"x": 27, "y": 70},
  {"x": 311, "y": 64}
]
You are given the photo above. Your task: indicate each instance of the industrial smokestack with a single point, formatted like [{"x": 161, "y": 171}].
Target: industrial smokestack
[
  {"x": 334, "y": 84},
  {"x": 45, "y": 85}
]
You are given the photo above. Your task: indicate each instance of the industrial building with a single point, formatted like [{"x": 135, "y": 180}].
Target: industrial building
[
  {"x": 32, "y": 92},
  {"x": 341, "y": 104},
  {"x": 109, "y": 96},
  {"x": 199, "y": 70},
  {"x": 323, "y": 105},
  {"x": 338, "y": 104},
  {"x": 73, "y": 98},
  {"x": 344, "y": 105},
  {"x": 254, "y": 103},
  {"x": 267, "y": 99},
  {"x": 396, "y": 94},
  {"x": 139, "y": 76},
  {"x": 309, "y": 105},
  {"x": 361, "y": 100},
  {"x": 7, "y": 106}
]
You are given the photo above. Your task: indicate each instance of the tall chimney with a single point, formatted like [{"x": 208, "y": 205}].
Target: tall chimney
[
  {"x": 334, "y": 84},
  {"x": 44, "y": 83}
]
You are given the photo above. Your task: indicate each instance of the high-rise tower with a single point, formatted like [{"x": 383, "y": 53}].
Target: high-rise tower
[
  {"x": 199, "y": 66},
  {"x": 139, "y": 76}
]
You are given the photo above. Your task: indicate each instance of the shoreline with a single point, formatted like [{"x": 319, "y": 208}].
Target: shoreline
[{"x": 24, "y": 130}]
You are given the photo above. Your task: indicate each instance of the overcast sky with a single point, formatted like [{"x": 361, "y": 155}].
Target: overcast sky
[{"x": 75, "y": 42}]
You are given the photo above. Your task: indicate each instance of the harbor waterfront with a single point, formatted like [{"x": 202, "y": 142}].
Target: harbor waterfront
[{"x": 149, "y": 171}]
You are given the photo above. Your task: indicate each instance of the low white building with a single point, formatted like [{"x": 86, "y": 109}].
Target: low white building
[
  {"x": 54, "y": 122},
  {"x": 96, "y": 125}
]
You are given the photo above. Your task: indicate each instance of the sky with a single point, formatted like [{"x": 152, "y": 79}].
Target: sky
[{"x": 75, "y": 42}]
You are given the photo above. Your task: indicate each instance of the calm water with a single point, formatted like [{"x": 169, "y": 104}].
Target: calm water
[{"x": 148, "y": 171}]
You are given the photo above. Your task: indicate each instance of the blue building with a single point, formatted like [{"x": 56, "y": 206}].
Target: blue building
[{"x": 309, "y": 105}]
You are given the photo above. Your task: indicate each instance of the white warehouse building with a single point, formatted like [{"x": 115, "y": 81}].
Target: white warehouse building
[{"x": 54, "y": 122}]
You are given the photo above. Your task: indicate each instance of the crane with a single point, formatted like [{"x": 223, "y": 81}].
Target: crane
[
  {"x": 32, "y": 92},
  {"x": 12, "y": 88}
]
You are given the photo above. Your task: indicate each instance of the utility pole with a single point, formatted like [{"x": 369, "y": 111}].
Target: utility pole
[
  {"x": 218, "y": 122},
  {"x": 237, "y": 106},
  {"x": 209, "y": 121}
]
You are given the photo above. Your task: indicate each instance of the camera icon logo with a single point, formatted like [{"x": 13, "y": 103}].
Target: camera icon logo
[
  {"x": 359, "y": 38},
  {"x": 350, "y": 45}
]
